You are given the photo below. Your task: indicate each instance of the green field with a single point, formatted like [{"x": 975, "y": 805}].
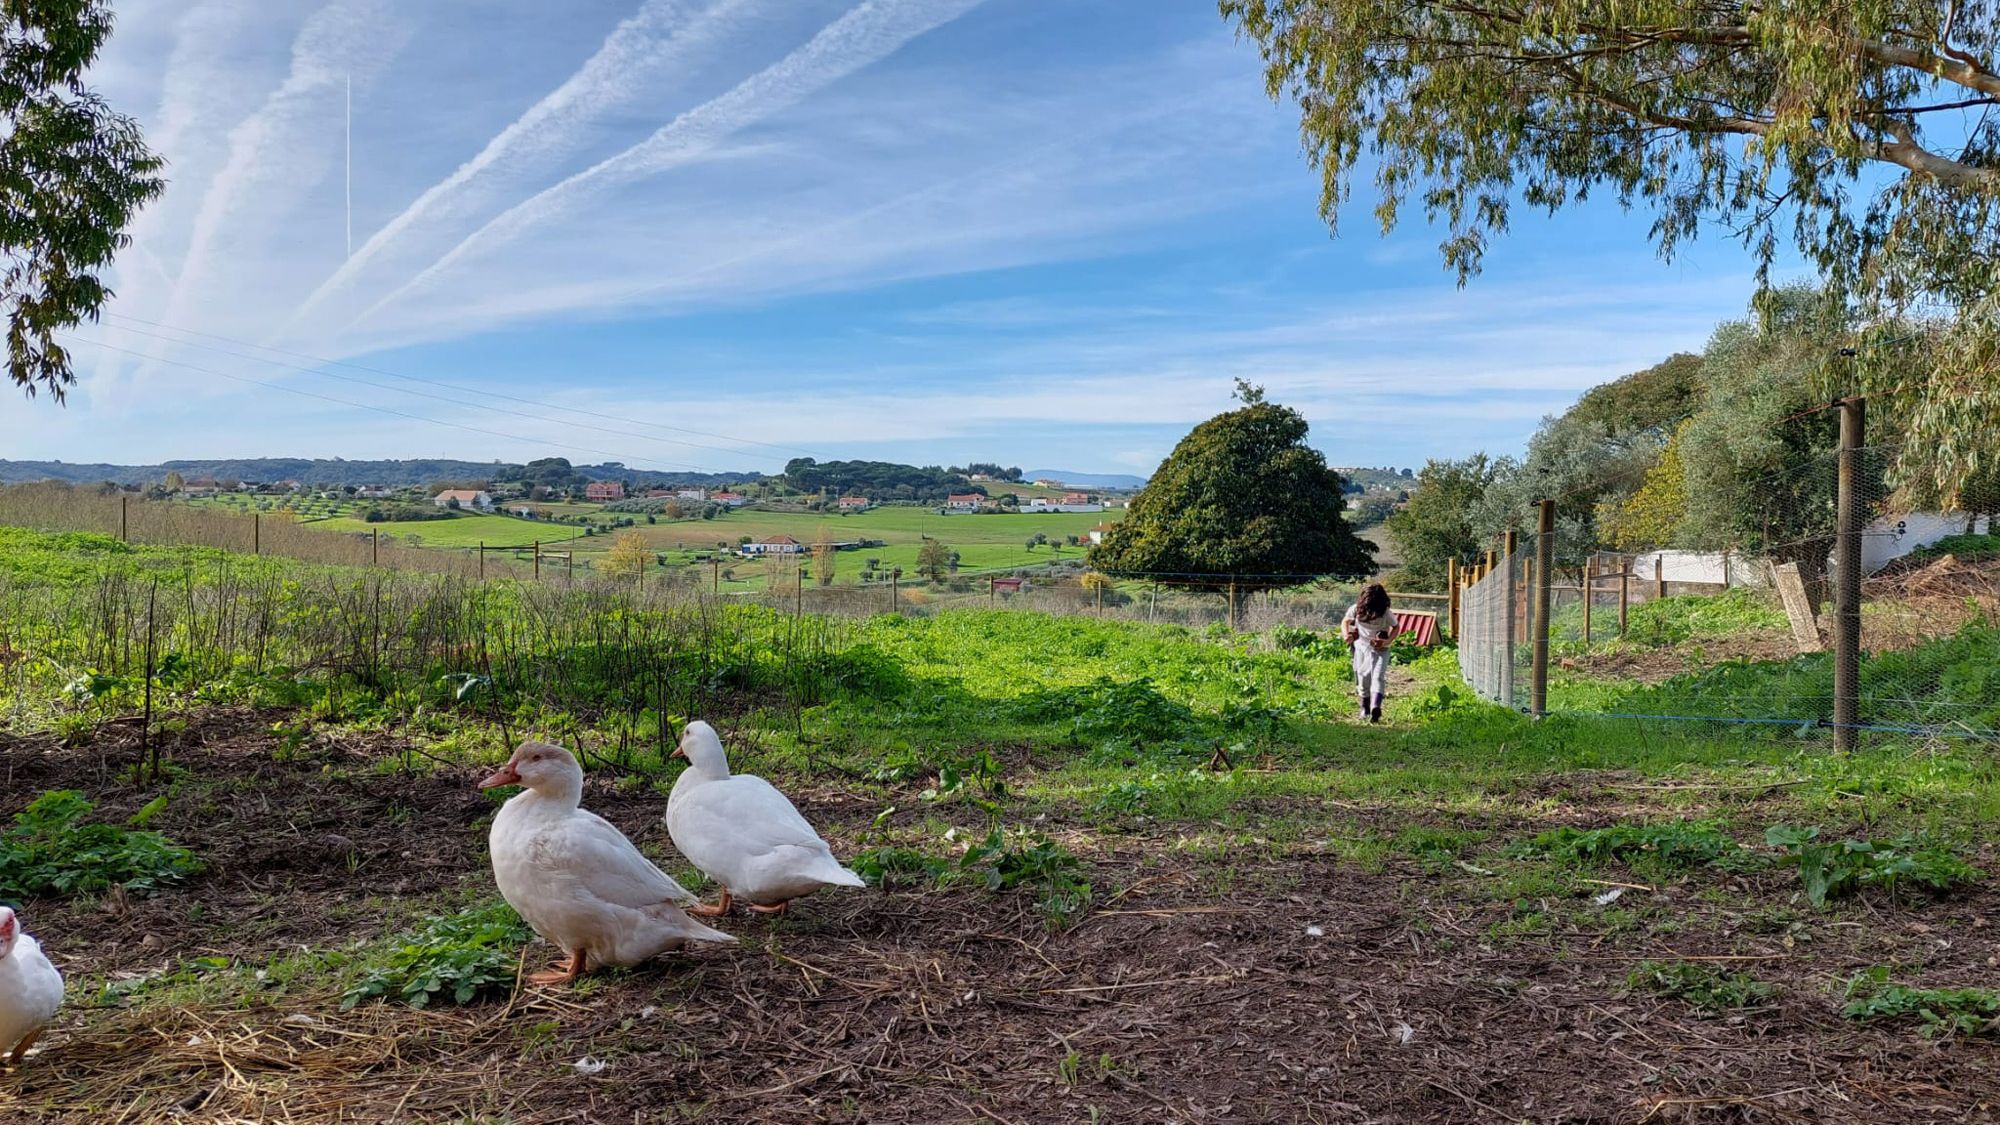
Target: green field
[
  {"x": 1117, "y": 871},
  {"x": 462, "y": 530}
]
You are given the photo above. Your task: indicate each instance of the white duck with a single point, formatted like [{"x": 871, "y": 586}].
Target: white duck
[
  {"x": 30, "y": 988},
  {"x": 742, "y": 833},
  {"x": 574, "y": 878}
]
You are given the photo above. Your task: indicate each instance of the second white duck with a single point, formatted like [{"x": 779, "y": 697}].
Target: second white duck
[
  {"x": 743, "y": 833},
  {"x": 574, "y": 878},
  {"x": 30, "y": 988}
]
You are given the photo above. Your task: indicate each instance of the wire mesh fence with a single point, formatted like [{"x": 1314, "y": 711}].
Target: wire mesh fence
[{"x": 1741, "y": 629}]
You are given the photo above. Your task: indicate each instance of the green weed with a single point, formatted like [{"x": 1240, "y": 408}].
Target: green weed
[
  {"x": 1679, "y": 844},
  {"x": 1834, "y": 870},
  {"x": 454, "y": 957},
  {"x": 51, "y": 851},
  {"x": 1944, "y": 1011},
  {"x": 1702, "y": 987}
]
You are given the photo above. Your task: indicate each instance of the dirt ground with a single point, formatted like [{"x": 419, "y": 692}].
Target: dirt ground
[{"x": 1276, "y": 984}]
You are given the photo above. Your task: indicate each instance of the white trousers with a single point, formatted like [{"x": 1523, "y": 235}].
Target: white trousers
[{"x": 1371, "y": 670}]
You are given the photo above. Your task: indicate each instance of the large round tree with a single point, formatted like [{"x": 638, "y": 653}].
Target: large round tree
[{"x": 1242, "y": 503}]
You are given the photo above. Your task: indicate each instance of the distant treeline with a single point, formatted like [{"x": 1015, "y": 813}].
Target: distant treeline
[
  {"x": 338, "y": 471},
  {"x": 877, "y": 480}
]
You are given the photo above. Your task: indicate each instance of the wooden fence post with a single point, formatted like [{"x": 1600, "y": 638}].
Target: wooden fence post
[
  {"x": 1659, "y": 576},
  {"x": 122, "y": 534},
  {"x": 482, "y": 560},
  {"x": 1451, "y": 595},
  {"x": 1624, "y": 594},
  {"x": 375, "y": 547},
  {"x": 1545, "y": 550},
  {"x": 1512, "y": 543},
  {"x": 256, "y": 533},
  {"x": 992, "y": 591},
  {"x": 1847, "y": 577},
  {"x": 538, "y": 560},
  {"x": 1589, "y": 588}
]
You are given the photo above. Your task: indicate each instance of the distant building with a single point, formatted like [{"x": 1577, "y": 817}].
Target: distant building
[
  {"x": 1097, "y": 533},
  {"x": 1044, "y": 504},
  {"x": 1045, "y": 482},
  {"x": 692, "y": 494},
  {"x": 963, "y": 502},
  {"x": 374, "y": 492},
  {"x": 1076, "y": 498},
  {"x": 603, "y": 491},
  {"x": 775, "y": 545},
  {"x": 977, "y": 478},
  {"x": 467, "y": 498},
  {"x": 853, "y": 503},
  {"x": 200, "y": 486},
  {"x": 728, "y": 499},
  {"x": 659, "y": 493}
]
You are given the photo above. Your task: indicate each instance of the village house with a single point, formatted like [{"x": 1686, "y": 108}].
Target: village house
[
  {"x": 853, "y": 503},
  {"x": 963, "y": 502},
  {"x": 775, "y": 545},
  {"x": 728, "y": 499},
  {"x": 374, "y": 492},
  {"x": 1076, "y": 498},
  {"x": 200, "y": 486},
  {"x": 1045, "y": 482},
  {"x": 692, "y": 494},
  {"x": 468, "y": 499},
  {"x": 603, "y": 491},
  {"x": 1096, "y": 534}
]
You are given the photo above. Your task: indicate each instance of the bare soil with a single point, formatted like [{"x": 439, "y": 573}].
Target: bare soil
[{"x": 1276, "y": 983}]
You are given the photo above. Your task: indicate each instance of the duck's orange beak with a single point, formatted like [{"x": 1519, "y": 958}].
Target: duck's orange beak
[
  {"x": 505, "y": 775},
  {"x": 678, "y": 753}
]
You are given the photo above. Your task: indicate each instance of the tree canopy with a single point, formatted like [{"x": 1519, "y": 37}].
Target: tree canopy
[
  {"x": 73, "y": 173},
  {"x": 1436, "y": 525},
  {"x": 1242, "y": 500},
  {"x": 1759, "y": 119}
]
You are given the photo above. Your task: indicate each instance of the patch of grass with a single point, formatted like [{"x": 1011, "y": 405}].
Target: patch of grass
[
  {"x": 1834, "y": 870},
  {"x": 999, "y": 861},
  {"x": 51, "y": 851},
  {"x": 453, "y": 957},
  {"x": 1702, "y": 987},
  {"x": 1944, "y": 1011},
  {"x": 1964, "y": 546}
]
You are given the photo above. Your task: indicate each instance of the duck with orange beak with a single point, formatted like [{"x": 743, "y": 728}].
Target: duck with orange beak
[
  {"x": 574, "y": 878},
  {"x": 30, "y": 988}
]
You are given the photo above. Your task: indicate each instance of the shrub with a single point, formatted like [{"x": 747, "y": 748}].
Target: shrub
[
  {"x": 456, "y": 957},
  {"x": 1676, "y": 844},
  {"x": 49, "y": 851}
]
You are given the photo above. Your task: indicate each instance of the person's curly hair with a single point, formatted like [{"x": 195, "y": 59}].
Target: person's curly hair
[{"x": 1373, "y": 603}]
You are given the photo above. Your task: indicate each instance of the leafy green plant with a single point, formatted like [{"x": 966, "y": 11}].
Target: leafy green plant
[
  {"x": 1674, "y": 844},
  {"x": 889, "y": 867},
  {"x": 1701, "y": 987},
  {"x": 455, "y": 957},
  {"x": 1944, "y": 1011},
  {"x": 1833, "y": 870},
  {"x": 51, "y": 851}
]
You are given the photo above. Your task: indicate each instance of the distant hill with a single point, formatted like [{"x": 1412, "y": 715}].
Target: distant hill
[
  {"x": 1088, "y": 480},
  {"x": 337, "y": 471},
  {"x": 1360, "y": 479}
]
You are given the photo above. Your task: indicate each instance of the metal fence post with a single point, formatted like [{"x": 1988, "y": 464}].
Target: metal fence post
[
  {"x": 1589, "y": 588},
  {"x": 1624, "y": 594},
  {"x": 1545, "y": 551},
  {"x": 1847, "y": 577}
]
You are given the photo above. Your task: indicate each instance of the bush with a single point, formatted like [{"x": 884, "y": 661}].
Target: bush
[
  {"x": 456, "y": 957},
  {"x": 50, "y": 852}
]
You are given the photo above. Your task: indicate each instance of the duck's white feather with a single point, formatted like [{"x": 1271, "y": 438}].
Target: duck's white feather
[
  {"x": 30, "y": 992},
  {"x": 747, "y": 836},
  {"x": 578, "y": 882}
]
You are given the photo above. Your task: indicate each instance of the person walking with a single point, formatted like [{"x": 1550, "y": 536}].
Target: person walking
[{"x": 1369, "y": 628}]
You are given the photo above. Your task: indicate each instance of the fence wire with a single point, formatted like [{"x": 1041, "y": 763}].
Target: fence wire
[{"x": 1732, "y": 625}]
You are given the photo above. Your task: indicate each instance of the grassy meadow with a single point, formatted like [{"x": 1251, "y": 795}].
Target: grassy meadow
[{"x": 1118, "y": 871}]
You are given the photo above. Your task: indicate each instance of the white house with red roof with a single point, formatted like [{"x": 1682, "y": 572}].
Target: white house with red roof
[{"x": 774, "y": 545}]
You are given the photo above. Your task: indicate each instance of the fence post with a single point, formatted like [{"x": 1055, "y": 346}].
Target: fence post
[
  {"x": 1513, "y": 544},
  {"x": 1451, "y": 595},
  {"x": 538, "y": 560},
  {"x": 122, "y": 536},
  {"x": 1232, "y": 603},
  {"x": 256, "y": 533},
  {"x": 374, "y": 547},
  {"x": 1589, "y": 588},
  {"x": 1847, "y": 577},
  {"x": 992, "y": 591},
  {"x": 1624, "y": 594},
  {"x": 482, "y": 560},
  {"x": 1545, "y": 551},
  {"x": 1659, "y": 576},
  {"x": 895, "y": 589}
]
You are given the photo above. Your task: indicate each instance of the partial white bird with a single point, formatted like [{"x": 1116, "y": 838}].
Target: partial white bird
[
  {"x": 744, "y": 834},
  {"x": 30, "y": 988},
  {"x": 575, "y": 879}
]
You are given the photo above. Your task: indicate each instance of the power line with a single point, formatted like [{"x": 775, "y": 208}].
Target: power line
[
  {"x": 388, "y": 410},
  {"x": 544, "y": 404}
]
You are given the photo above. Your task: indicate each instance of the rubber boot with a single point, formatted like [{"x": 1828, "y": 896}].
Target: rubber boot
[
  {"x": 1375, "y": 713},
  {"x": 1364, "y": 703}
]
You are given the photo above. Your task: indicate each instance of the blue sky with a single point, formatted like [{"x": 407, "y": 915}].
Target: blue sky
[{"x": 1036, "y": 231}]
